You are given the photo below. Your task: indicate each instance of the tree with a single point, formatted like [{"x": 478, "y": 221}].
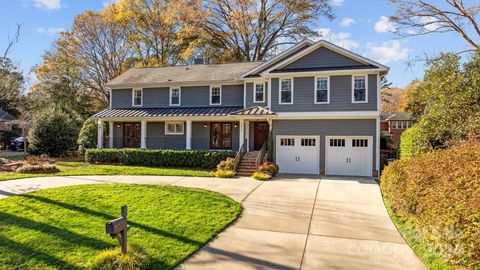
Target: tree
[
  {"x": 54, "y": 133},
  {"x": 87, "y": 139},
  {"x": 412, "y": 99},
  {"x": 392, "y": 99},
  {"x": 421, "y": 17},
  {"x": 248, "y": 30}
]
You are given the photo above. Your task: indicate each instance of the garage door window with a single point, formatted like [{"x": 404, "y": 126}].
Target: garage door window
[
  {"x": 337, "y": 142},
  {"x": 287, "y": 142},
  {"x": 360, "y": 143},
  {"x": 308, "y": 142}
]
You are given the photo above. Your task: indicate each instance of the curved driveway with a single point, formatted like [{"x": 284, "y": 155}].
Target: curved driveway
[{"x": 293, "y": 222}]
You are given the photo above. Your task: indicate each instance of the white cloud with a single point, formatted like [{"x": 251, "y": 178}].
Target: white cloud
[
  {"x": 432, "y": 23},
  {"x": 50, "y": 31},
  {"x": 385, "y": 25},
  {"x": 341, "y": 39},
  {"x": 389, "y": 51},
  {"x": 337, "y": 3},
  {"x": 347, "y": 22},
  {"x": 47, "y": 4}
]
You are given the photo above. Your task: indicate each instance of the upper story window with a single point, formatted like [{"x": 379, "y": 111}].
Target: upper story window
[
  {"x": 137, "y": 97},
  {"x": 322, "y": 90},
  {"x": 359, "y": 89},
  {"x": 401, "y": 124},
  {"x": 286, "y": 91},
  {"x": 215, "y": 95},
  {"x": 259, "y": 96},
  {"x": 175, "y": 96}
]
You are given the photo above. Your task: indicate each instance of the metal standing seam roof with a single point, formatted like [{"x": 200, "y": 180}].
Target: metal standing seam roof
[
  {"x": 4, "y": 116},
  {"x": 256, "y": 110},
  {"x": 166, "y": 112}
]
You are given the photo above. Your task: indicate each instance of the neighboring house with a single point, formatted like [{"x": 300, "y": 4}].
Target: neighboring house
[
  {"x": 6, "y": 121},
  {"x": 393, "y": 124},
  {"x": 319, "y": 102}
]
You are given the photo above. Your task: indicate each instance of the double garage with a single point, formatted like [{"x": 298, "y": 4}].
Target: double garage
[{"x": 330, "y": 147}]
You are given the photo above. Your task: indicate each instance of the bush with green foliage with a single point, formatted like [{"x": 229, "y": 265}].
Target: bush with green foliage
[
  {"x": 440, "y": 192},
  {"x": 224, "y": 173},
  {"x": 227, "y": 165},
  {"x": 87, "y": 139},
  {"x": 261, "y": 176},
  {"x": 113, "y": 259},
  {"x": 269, "y": 168},
  {"x": 37, "y": 168},
  {"x": 412, "y": 142},
  {"x": 53, "y": 133},
  {"x": 158, "y": 158}
]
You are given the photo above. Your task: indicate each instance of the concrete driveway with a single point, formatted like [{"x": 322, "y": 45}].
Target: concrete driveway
[{"x": 294, "y": 222}]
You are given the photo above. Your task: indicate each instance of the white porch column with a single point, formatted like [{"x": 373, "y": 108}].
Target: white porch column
[
  {"x": 143, "y": 134},
  {"x": 99, "y": 134},
  {"x": 241, "y": 132},
  {"x": 247, "y": 134},
  {"x": 110, "y": 134},
  {"x": 188, "y": 137}
]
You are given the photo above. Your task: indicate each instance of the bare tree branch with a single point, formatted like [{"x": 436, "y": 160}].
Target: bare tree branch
[{"x": 12, "y": 40}]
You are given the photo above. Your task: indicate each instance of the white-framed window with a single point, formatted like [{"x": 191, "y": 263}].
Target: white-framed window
[
  {"x": 175, "y": 94},
  {"x": 359, "y": 89},
  {"x": 259, "y": 93},
  {"x": 322, "y": 90},
  {"x": 215, "y": 95},
  {"x": 174, "y": 128},
  {"x": 286, "y": 91},
  {"x": 137, "y": 97}
]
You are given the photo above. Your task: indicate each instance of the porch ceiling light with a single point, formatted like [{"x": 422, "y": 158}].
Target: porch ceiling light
[
  {"x": 235, "y": 125},
  {"x": 118, "y": 125},
  {"x": 205, "y": 125}
]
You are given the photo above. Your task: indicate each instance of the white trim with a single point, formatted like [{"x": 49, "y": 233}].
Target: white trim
[
  {"x": 168, "y": 84},
  {"x": 377, "y": 146},
  {"x": 280, "y": 91},
  {"x": 282, "y": 54},
  {"x": 370, "y": 164},
  {"x": 269, "y": 96},
  {"x": 328, "y": 115},
  {"x": 318, "y": 143},
  {"x": 245, "y": 95},
  {"x": 99, "y": 134},
  {"x": 143, "y": 134},
  {"x": 210, "y": 95},
  {"x": 255, "y": 92},
  {"x": 379, "y": 93},
  {"x": 247, "y": 134},
  {"x": 366, "y": 88},
  {"x": 110, "y": 98},
  {"x": 188, "y": 137},
  {"x": 328, "y": 45},
  {"x": 110, "y": 134},
  {"x": 174, "y": 133},
  {"x": 179, "y": 96},
  {"x": 133, "y": 97},
  {"x": 315, "y": 90},
  {"x": 321, "y": 73}
]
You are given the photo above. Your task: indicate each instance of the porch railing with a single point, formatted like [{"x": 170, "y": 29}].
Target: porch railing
[
  {"x": 261, "y": 155},
  {"x": 239, "y": 156}
]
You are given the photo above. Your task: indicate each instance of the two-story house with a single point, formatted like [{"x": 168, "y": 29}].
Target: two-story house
[
  {"x": 319, "y": 102},
  {"x": 393, "y": 124}
]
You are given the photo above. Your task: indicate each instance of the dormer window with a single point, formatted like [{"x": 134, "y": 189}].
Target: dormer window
[
  {"x": 137, "y": 97},
  {"x": 259, "y": 96},
  {"x": 175, "y": 96},
  {"x": 215, "y": 95}
]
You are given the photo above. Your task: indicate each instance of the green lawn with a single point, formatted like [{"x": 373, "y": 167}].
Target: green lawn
[
  {"x": 64, "y": 228},
  {"x": 82, "y": 168}
]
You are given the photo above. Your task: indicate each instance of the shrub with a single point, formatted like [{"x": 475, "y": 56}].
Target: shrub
[
  {"x": 261, "y": 176},
  {"x": 53, "y": 133},
  {"x": 159, "y": 158},
  {"x": 227, "y": 165},
  {"x": 412, "y": 142},
  {"x": 40, "y": 168},
  {"x": 224, "y": 174},
  {"x": 113, "y": 259},
  {"x": 87, "y": 138},
  {"x": 269, "y": 168},
  {"x": 440, "y": 192}
]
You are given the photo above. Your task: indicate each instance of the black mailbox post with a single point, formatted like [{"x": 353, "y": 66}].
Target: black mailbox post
[{"x": 118, "y": 228}]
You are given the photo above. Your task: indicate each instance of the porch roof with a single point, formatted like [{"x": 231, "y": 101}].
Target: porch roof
[
  {"x": 167, "y": 112},
  {"x": 256, "y": 110}
]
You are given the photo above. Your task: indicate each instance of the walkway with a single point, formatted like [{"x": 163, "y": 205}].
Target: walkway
[{"x": 290, "y": 223}]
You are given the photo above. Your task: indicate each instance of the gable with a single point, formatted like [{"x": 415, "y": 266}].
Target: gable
[{"x": 324, "y": 58}]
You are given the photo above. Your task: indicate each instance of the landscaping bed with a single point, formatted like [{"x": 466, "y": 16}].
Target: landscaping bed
[{"x": 64, "y": 228}]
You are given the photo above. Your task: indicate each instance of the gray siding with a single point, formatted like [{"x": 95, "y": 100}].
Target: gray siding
[
  {"x": 122, "y": 98},
  {"x": 117, "y": 135},
  {"x": 340, "y": 95},
  {"x": 232, "y": 95},
  {"x": 321, "y": 58},
  {"x": 155, "y": 97},
  {"x": 157, "y": 139},
  {"x": 322, "y": 128},
  {"x": 250, "y": 93}
]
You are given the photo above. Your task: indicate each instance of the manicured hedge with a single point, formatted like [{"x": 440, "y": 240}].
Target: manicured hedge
[
  {"x": 160, "y": 158},
  {"x": 440, "y": 192}
]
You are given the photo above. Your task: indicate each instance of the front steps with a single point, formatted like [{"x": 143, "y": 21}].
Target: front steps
[{"x": 247, "y": 166}]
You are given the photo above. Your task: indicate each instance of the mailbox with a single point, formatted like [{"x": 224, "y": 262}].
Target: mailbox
[{"x": 116, "y": 226}]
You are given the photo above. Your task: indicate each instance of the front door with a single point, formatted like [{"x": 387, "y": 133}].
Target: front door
[
  {"x": 221, "y": 136},
  {"x": 131, "y": 135},
  {"x": 260, "y": 134}
]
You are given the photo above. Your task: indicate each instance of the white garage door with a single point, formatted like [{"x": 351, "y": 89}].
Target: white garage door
[
  {"x": 348, "y": 156},
  {"x": 298, "y": 154}
]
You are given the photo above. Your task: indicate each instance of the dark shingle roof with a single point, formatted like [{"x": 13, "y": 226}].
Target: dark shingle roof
[
  {"x": 256, "y": 110},
  {"x": 4, "y": 116},
  {"x": 396, "y": 116},
  {"x": 167, "y": 112}
]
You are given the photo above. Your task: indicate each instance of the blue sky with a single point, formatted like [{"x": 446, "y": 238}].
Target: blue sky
[{"x": 361, "y": 26}]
